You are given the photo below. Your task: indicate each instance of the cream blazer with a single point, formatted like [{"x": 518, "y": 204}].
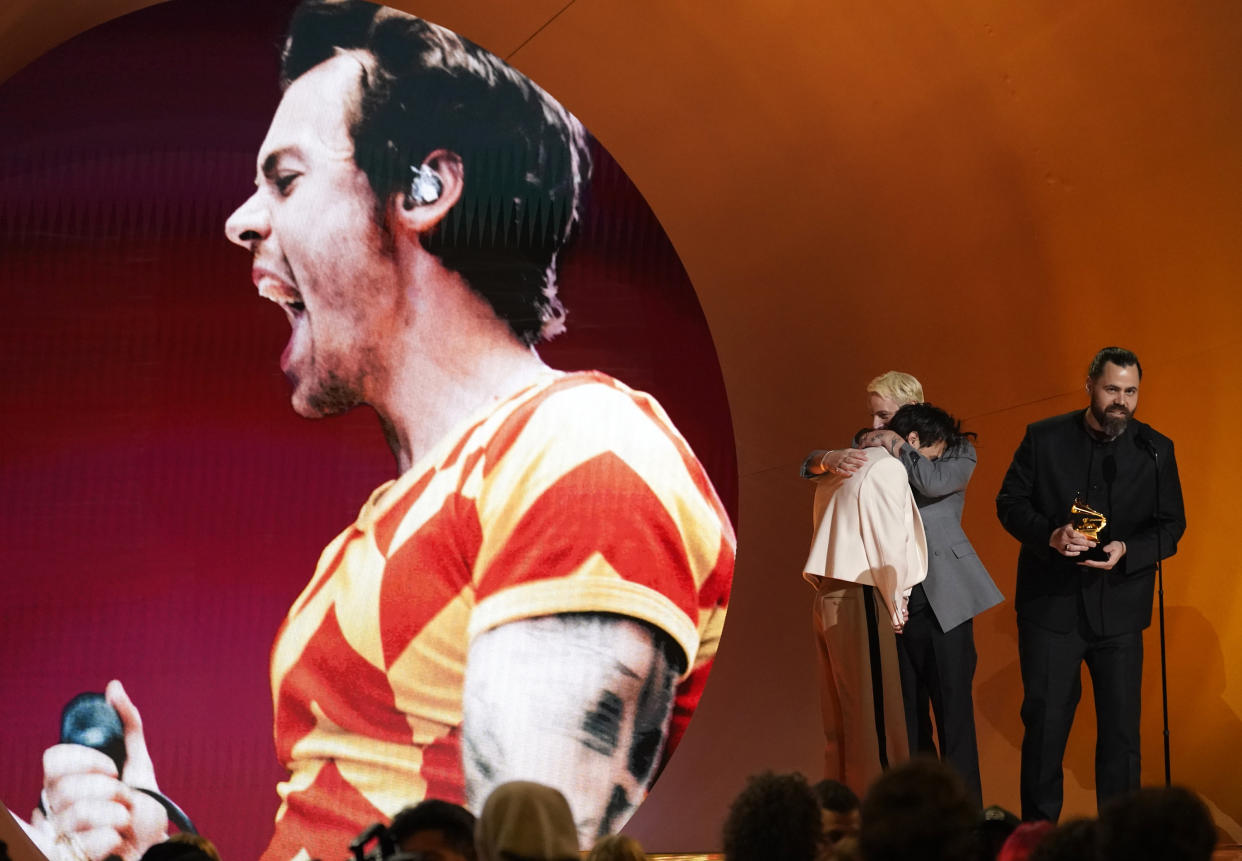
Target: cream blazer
[{"x": 868, "y": 530}]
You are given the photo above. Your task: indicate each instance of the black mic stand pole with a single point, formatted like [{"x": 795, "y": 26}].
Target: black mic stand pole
[{"x": 1164, "y": 666}]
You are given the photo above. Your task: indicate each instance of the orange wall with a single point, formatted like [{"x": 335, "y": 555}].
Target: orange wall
[{"x": 980, "y": 197}]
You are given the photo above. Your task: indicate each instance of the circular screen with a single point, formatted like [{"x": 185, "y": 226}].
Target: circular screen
[{"x": 172, "y": 521}]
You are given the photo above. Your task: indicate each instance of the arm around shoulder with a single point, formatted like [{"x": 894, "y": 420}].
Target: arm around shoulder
[{"x": 949, "y": 473}]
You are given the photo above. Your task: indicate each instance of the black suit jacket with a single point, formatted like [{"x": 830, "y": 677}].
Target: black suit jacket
[{"x": 1057, "y": 459}]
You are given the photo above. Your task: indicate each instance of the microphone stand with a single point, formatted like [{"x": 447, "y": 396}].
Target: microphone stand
[{"x": 1164, "y": 667}]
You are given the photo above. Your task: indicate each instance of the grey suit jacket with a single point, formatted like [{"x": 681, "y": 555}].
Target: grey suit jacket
[{"x": 958, "y": 587}]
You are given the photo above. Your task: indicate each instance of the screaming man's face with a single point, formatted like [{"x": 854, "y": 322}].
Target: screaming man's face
[{"x": 318, "y": 250}]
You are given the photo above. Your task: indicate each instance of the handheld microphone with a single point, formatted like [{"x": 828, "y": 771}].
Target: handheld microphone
[{"x": 90, "y": 721}]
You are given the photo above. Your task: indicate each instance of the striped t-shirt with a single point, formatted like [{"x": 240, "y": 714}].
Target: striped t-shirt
[{"x": 575, "y": 495}]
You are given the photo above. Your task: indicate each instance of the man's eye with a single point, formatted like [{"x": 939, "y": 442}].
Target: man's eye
[{"x": 284, "y": 182}]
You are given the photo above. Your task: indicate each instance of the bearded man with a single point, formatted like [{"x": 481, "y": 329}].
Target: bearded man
[{"x": 1072, "y": 608}]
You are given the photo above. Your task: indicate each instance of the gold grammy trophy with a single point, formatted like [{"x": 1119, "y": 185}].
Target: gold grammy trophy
[{"x": 1090, "y": 523}]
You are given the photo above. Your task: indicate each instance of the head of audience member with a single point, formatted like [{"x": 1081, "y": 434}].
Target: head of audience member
[
  {"x": 1157, "y": 823},
  {"x": 617, "y": 847},
  {"x": 838, "y": 807},
  {"x": 845, "y": 849},
  {"x": 1070, "y": 841},
  {"x": 888, "y": 393},
  {"x": 1022, "y": 841},
  {"x": 183, "y": 847},
  {"x": 776, "y": 816},
  {"x": 992, "y": 828},
  {"x": 929, "y": 429},
  {"x": 1113, "y": 379},
  {"x": 525, "y": 821},
  {"x": 918, "y": 809},
  {"x": 437, "y": 829}
]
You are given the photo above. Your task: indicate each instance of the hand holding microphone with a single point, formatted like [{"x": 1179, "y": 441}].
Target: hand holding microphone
[{"x": 96, "y": 797}]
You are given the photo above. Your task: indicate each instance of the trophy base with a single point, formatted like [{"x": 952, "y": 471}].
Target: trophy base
[{"x": 1095, "y": 554}]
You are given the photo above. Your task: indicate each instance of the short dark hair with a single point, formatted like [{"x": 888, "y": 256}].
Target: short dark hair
[
  {"x": 1118, "y": 356},
  {"x": 835, "y": 796},
  {"x": 774, "y": 816},
  {"x": 931, "y": 423},
  {"x": 453, "y": 821},
  {"x": 526, "y": 159},
  {"x": 918, "y": 809},
  {"x": 1069, "y": 841},
  {"x": 1157, "y": 823}
]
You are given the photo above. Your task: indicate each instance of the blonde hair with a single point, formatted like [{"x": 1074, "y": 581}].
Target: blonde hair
[
  {"x": 617, "y": 847},
  {"x": 897, "y": 386}
]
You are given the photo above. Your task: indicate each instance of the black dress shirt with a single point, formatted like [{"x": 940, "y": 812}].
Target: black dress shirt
[{"x": 1058, "y": 459}]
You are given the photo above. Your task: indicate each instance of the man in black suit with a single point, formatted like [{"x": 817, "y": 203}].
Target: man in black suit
[{"x": 1072, "y": 608}]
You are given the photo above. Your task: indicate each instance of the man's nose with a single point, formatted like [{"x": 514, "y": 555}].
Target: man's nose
[{"x": 249, "y": 223}]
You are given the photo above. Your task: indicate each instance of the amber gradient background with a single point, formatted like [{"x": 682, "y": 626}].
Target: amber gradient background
[{"x": 982, "y": 194}]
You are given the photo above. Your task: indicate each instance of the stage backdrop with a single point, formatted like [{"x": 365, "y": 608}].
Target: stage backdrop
[{"x": 980, "y": 195}]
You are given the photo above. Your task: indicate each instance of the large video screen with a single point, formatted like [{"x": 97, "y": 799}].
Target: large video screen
[{"x": 496, "y": 550}]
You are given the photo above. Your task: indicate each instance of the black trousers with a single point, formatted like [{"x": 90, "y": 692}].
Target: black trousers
[
  {"x": 1051, "y": 665},
  {"x": 942, "y": 662}
]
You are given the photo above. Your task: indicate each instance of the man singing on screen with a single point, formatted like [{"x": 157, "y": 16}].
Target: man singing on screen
[{"x": 539, "y": 592}]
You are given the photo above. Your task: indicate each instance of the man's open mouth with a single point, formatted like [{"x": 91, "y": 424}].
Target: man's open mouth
[{"x": 280, "y": 292}]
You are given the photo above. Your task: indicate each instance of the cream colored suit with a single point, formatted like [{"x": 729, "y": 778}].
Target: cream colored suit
[{"x": 868, "y": 532}]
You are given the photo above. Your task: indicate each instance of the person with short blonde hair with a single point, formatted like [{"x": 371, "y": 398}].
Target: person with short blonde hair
[
  {"x": 886, "y": 394},
  {"x": 897, "y": 385},
  {"x": 889, "y": 392},
  {"x": 845, "y": 621}
]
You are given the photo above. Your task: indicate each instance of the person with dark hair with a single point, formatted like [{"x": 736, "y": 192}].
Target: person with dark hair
[
  {"x": 993, "y": 827},
  {"x": 936, "y": 648},
  {"x": 1156, "y": 824},
  {"x": 440, "y": 830},
  {"x": 539, "y": 590},
  {"x": 183, "y": 847},
  {"x": 430, "y": 105},
  {"x": 919, "y": 809},
  {"x": 774, "y": 818},
  {"x": 1073, "y": 608},
  {"x": 838, "y": 807},
  {"x": 1076, "y": 840}
]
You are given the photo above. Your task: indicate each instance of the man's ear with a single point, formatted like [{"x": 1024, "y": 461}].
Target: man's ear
[
  {"x": 433, "y": 188},
  {"x": 913, "y": 439}
]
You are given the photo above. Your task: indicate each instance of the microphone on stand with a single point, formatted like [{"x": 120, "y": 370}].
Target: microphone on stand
[{"x": 1146, "y": 443}]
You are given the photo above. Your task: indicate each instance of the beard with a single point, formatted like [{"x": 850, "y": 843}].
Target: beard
[
  {"x": 1112, "y": 420},
  {"x": 326, "y": 395}
]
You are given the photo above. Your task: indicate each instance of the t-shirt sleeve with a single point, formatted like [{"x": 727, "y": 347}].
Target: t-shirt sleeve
[{"x": 588, "y": 500}]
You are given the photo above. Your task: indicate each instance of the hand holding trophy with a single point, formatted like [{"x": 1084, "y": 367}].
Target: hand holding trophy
[{"x": 1090, "y": 523}]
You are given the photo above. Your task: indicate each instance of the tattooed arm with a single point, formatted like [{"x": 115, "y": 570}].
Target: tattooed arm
[{"x": 578, "y": 701}]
